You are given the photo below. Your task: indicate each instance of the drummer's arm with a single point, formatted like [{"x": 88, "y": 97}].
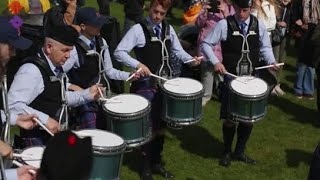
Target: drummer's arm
[
  {"x": 176, "y": 47},
  {"x": 265, "y": 45},
  {"x": 26, "y": 86},
  {"x": 133, "y": 38},
  {"x": 110, "y": 71},
  {"x": 219, "y": 33}
]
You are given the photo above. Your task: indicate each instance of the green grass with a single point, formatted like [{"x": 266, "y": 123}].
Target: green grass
[{"x": 282, "y": 142}]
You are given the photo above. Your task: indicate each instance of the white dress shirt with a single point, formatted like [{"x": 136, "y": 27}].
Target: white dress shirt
[
  {"x": 135, "y": 38},
  {"x": 112, "y": 73},
  {"x": 28, "y": 85}
]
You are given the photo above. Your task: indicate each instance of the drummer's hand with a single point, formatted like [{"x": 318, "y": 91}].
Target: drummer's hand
[
  {"x": 26, "y": 121},
  {"x": 219, "y": 68},
  {"x": 53, "y": 125},
  {"x": 197, "y": 61},
  {"x": 144, "y": 70},
  {"x": 24, "y": 174},
  {"x": 94, "y": 91},
  {"x": 136, "y": 76},
  {"x": 275, "y": 67},
  {"x": 5, "y": 150}
]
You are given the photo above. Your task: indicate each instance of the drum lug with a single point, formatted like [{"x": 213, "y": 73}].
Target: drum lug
[{"x": 172, "y": 125}]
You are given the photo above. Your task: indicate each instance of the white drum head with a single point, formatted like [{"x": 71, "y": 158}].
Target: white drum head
[
  {"x": 126, "y": 103},
  {"x": 183, "y": 86},
  {"x": 101, "y": 138},
  {"x": 36, "y": 153},
  {"x": 249, "y": 85}
]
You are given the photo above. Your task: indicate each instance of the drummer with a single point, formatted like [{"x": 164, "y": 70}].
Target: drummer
[
  {"x": 9, "y": 42},
  {"x": 149, "y": 58},
  {"x": 35, "y": 89},
  {"x": 231, "y": 52},
  {"x": 83, "y": 69}
]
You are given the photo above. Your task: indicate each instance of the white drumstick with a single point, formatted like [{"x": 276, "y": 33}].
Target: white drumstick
[
  {"x": 235, "y": 76},
  {"x": 40, "y": 123},
  {"x": 268, "y": 66},
  {"x": 132, "y": 75},
  {"x": 22, "y": 155},
  {"x": 193, "y": 59},
  {"x": 159, "y": 77},
  {"x": 230, "y": 74},
  {"x": 19, "y": 165},
  {"x": 109, "y": 100},
  {"x": 100, "y": 92}
]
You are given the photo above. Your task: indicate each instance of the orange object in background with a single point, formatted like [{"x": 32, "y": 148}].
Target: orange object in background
[{"x": 190, "y": 16}]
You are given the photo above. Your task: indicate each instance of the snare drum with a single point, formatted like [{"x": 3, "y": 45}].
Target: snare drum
[
  {"x": 248, "y": 98},
  {"x": 182, "y": 101},
  {"x": 107, "y": 153},
  {"x": 36, "y": 153},
  {"x": 128, "y": 116}
]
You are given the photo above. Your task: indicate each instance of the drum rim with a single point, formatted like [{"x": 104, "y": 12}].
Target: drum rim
[
  {"x": 104, "y": 150},
  {"x": 256, "y": 97},
  {"x": 190, "y": 95},
  {"x": 138, "y": 113}
]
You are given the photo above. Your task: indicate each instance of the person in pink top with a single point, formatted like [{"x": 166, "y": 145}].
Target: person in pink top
[{"x": 210, "y": 15}]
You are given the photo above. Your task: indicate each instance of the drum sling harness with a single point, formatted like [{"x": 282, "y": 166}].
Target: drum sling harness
[
  {"x": 165, "y": 68},
  {"x": 244, "y": 65},
  {"x": 102, "y": 48}
]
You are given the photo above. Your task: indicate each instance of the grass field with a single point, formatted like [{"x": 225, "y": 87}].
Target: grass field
[{"x": 282, "y": 142}]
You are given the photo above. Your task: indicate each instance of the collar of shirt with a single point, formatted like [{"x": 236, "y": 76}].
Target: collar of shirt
[
  {"x": 85, "y": 40},
  {"x": 153, "y": 24},
  {"x": 52, "y": 67},
  {"x": 247, "y": 21}
]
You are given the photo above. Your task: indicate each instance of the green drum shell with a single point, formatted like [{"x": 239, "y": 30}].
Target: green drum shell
[
  {"x": 247, "y": 108},
  {"x": 134, "y": 128},
  {"x": 181, "y": 109},
  {"x": 107, "y": 162}
]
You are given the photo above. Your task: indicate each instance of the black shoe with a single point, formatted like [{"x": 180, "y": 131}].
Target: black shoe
[
  {"x": 244, "y": 158},
  {"x": 225, "y": 160},
  {"x": 146, "y": 175},
  {"x": 159, "y": 169}
]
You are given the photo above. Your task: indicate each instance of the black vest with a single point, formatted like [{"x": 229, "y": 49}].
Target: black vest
[
  {"x": 151, "y": 55},
  {"x": 85, "y": 75},
  {"x": 49, "y": 101},
  {"x": 231, "y": 48}
]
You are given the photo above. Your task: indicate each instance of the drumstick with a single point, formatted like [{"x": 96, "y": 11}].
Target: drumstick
[
  {"x": 193, "y": 59},
  {"x": 100, "y": 92},
  {"x": 22, "y": 155},
  {"x": 19, "y": 165},
  {"x": 235, "y": 76},
  {"x": 268, "y": 66},
  {"x": 132, "y": 75},
  {"x": 109, "y": 100},
  {"x": 230, "y": 74},
  {"x": 159, "y": 77},
  {"x": 40, "y": 123}
]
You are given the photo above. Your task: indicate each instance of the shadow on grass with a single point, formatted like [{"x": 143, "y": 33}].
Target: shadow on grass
[
  {"x": 299, "y": 112},
  {"x": 197, "y": 140},
  {"x": 133, "y": 160},
  {"x": 297, "y": 156}
]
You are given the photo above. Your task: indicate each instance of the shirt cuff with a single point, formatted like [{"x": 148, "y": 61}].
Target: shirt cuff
[{"x": 86, "y": 95}]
